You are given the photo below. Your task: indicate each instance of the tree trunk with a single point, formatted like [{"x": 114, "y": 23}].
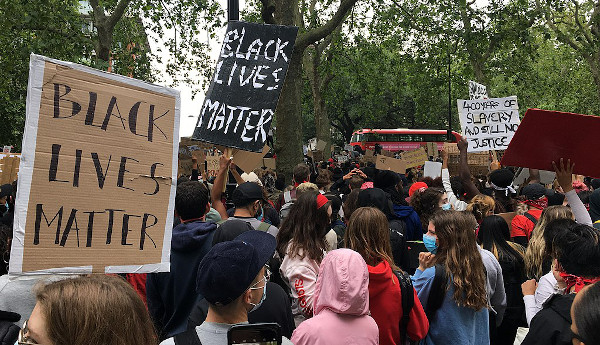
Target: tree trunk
[
  {"x": 322, "y": 122},
  {"x": 289, "y": 120},
  {"x": 594, "y": 64},
  {"x": 104, "y": 41}
]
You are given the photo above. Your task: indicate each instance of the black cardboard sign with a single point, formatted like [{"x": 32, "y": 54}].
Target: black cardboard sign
[{"x": 243, "y": 94}]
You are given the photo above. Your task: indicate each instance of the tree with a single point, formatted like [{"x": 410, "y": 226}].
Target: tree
[
  {"x": 51, "y": 28},
  {"x": 576, "y": 24},
  {"x": 289, "y": 109}
]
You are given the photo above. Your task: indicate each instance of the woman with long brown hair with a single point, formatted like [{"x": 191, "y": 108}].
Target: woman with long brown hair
[
  {"x": 368, "y": 234},
  {"x": 301, "y": 243},
  {"x": 97, "y": 309},
  {"x": 451, "y": 282}
]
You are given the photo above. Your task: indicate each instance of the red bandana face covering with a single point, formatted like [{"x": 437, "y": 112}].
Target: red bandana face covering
[
  {"x": 577, "y": 282},
  {"x": 540, "y": 203}
]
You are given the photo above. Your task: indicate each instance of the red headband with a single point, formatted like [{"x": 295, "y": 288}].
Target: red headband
[{"x": 321, "y": 200}]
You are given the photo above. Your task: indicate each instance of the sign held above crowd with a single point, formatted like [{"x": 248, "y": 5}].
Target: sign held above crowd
[
  {"x": 488, "y": 124},
  {"x": 240, "y": 102},
  {"x": 477, "y": 91},
  {"x": 545, "y": 136},
  {"x": 98, "y": 171}
]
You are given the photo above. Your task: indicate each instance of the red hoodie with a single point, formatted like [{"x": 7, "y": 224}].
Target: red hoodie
[{"x": 385, "y": 300}]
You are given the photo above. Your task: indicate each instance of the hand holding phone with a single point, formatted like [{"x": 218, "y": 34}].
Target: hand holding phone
[{"x": 254, "y": 334}]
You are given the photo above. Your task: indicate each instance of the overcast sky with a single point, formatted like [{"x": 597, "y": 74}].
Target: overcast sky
[{"x": 190, "y": 108}]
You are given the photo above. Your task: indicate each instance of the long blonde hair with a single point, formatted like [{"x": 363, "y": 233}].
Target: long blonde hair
[
  {"x": 536, "y": 250},
  {"x": 458, "y": 252},
  {"x": 368, "y": 233},
  {"x": 480, "y": 206}
]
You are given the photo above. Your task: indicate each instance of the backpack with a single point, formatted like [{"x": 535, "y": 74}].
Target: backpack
[
  {"x": 288, "y": 200},
  {"x": 264, "y": 226},
  {"x": 438, "y": 291},
  {"x": 408, "y": 301},
  {"x": 189, "y": 337}
]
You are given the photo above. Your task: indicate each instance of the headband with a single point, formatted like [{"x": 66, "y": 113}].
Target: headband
[{"x": 321, "y": 200}]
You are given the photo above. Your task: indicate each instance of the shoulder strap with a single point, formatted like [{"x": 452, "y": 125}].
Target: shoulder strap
[
  {"x": 438, "y": 291},
  {"x": 189, "y": 337},
  {"x": 530, "y": 217},
  {"x": 264, "y": 227},
  {"x": 408, "y": 301}
]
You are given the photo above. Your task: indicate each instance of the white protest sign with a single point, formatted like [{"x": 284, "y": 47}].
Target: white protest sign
[
  {"x": 489, "y": 124},
  {"x": 432, "y": 169},
  {"x": 477, "y": 91}
]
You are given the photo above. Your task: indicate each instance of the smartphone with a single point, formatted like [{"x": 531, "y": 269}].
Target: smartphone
[{"x": 254, "y": 334}]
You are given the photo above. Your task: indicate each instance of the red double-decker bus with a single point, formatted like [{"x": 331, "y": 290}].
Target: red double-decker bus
[{"x": 400, "y": 138}]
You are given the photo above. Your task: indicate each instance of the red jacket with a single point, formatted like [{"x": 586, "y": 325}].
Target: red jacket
[{"x": 385, "y": 300}]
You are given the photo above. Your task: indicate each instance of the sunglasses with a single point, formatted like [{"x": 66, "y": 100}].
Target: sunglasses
[{"x": 23, "y": 338}]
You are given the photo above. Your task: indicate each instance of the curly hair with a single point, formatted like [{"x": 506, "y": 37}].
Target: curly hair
[
  {"x": 458, "y": 252},
  {"x": 480, "y": 206},
  {"x": 426, "y": 203}
]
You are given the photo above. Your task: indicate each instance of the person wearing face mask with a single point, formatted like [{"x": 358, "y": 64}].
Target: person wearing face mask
[
  {"x": 232, "y": 278},
  {"x": 247, "y": 199},
  {"x": 276, "y": 306}
]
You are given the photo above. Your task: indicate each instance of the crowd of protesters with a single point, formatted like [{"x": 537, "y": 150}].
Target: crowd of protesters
[{"x": 344, "y": 254}]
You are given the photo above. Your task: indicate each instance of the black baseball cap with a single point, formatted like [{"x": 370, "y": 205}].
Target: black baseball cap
[
  {"x": 246, "y": 193},
  {"x": 229, "y": 268}
]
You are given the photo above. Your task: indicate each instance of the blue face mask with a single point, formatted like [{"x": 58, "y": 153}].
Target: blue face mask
[
  {"x": 446, "y": 207},
  {"x": 429, "y": 242}
]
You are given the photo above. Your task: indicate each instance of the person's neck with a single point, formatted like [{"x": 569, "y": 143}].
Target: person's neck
[
  {"x": 240, "y": 315},
  {"x": 242, "y": 212}
]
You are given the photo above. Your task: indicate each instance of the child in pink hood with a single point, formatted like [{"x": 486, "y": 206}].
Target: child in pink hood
[{"x": 341, "y": 304}]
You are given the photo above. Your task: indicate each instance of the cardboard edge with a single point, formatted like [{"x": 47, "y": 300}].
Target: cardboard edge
[
  {"x": 164, "y": 265},
  {"x": 147, "y": 268},
  {"x": 115, "y": 77},
  {"x": 55, "y": 271},
  {"x": 32, "y": 111}
]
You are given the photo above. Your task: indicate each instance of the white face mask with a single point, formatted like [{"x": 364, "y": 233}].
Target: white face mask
[{"x": 264, "y": 296}]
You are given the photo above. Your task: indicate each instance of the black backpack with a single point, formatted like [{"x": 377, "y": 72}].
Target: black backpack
[
  {"x": 408, "y": 301},
  {"x": 438, "y": 291},
  {"x": 189, "y": 337}
]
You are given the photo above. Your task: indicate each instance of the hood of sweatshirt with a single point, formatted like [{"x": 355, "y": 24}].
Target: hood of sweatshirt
[
  {"x": 343, "y": 284},
  {"x": 191, "y": 236},
  {"x": 380, "y": 278}
]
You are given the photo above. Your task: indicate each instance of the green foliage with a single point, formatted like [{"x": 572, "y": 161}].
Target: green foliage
[{"x": 51, "y": 28}]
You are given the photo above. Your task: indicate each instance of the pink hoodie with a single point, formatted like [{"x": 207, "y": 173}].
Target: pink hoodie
[{"x": 341, "y": 304}]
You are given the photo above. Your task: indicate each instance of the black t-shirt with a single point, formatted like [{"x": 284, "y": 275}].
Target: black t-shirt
[{"x": 275, "y": 308}]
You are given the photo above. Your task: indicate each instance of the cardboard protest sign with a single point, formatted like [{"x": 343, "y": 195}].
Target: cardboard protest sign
[
  {"x": 269, "y": 163},
  {"x": 341, "y": 158},
  {"x": 387, "y": 153},
  {"x": 432, "y": 149},
  {"x": 432, "y": 169},
  {"x": 414, "y": 158},
  {"x": 248, "y": 161},
  {"x": 508, "y": 217},
  {"x": 241, "y": 99},
  {"x": 321, "y": 145},
  {"x": 451, "y": 148},
  {"x": 478, "y": 162},
  {"x": 369, "y": 157},
  {"x": 9, "y": 168},
  {"x": 389, "y": 163},
  {"x": 488, "y": 124},
  {"x": 7, "y": 149},
  {"x": 212, "y": 165},
  {"x": 317, "y": 156},
  {"x": 98, "y": 173},
  {"x": 477, "y": 91},
  {"x": 548, "y": 136}
]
